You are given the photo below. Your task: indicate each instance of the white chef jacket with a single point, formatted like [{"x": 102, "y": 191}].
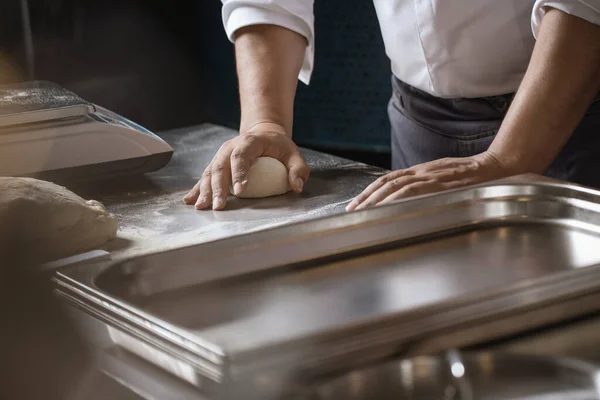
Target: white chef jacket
[{"x": 448, "y": 48}]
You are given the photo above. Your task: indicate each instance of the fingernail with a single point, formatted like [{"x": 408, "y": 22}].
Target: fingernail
[
  {"x": 298, "y": 184},
  {"x": 351, "y": 205},
  {"x": 217, "y": 203},
  {"x": 237, "y": 188},
  {"x": 201, "y": 203}
]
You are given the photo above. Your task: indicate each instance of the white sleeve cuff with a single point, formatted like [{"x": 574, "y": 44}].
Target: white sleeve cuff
[
  {"x": 236, "y": 16},
  {"x": 588, "y": 10}
]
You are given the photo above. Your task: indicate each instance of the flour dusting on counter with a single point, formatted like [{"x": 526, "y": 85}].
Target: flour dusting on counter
[{"x": 153, "y": 217}]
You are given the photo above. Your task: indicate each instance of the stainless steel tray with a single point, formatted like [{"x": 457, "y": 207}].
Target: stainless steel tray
[
  {"x": 355, "y": 287},
  {"x": 470, "y": 376}
]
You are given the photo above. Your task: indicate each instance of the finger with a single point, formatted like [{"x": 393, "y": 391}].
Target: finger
[
  {"x": 220, "y": 182},
  {"x": 205, "y": 196},
  {"x": 364, "y": 195},
  {"x": 192, "y": 195},
  {"x": 421, "y": 188},
  {"x": 414, "y": 189},
  {"x": 374, "y": 186},
  {"x": 459, "y": 177},
  {"x": 241, "y": 160},
  {"x": 386, "y": 190},
  {"x": 298, "y": 171}
]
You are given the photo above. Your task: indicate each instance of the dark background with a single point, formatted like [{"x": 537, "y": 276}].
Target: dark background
[{"x": 169, "y": 64}]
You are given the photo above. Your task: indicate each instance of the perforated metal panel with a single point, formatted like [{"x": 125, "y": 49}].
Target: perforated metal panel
[{"x": 345, "y": 105}]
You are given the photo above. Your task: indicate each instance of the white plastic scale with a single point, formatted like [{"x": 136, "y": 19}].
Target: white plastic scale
[{"x": 51, "y": 133}]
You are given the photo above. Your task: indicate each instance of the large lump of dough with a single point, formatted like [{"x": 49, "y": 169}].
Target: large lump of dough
[
  {"x": 266, "y": 177},
  {"x": 51, "y": 220}
]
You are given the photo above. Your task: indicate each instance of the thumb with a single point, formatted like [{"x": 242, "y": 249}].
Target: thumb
[{"x": 298, "y": 172}]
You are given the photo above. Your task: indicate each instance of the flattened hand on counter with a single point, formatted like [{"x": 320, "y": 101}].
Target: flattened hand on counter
[
  {"x": 430, "y": 177},
  {"x": 54, "y": 221}
]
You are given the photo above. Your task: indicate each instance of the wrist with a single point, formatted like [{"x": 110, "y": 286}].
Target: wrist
[
  {"x": 498, "y": 166},
  {"x": 264, "y": 125},
  {"x": 515, "y": 153}
]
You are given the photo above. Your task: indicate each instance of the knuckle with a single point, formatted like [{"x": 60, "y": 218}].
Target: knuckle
[
  {"x": 237, "y": 155},
  {"x": 238, "y": 174},
  {"x": 452, "y": 173},
  {"x": 205, "y": 180},
  {"x": 218, "y": 168},
  {"x": 392, "y": 184},
  {"x": 249, "y": 139},
  {"x": 224, "y": 147},
  {"x": 384, "y": 179},
  {"x": 464, "y": 169},
  {"x": 239, "y": 170}
]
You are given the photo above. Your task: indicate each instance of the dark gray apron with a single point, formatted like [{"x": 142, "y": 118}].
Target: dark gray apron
[{"x": 426, "y": 128}]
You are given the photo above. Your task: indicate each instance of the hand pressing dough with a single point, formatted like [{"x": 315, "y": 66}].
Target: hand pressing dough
[
  {"x": 53, "y": 221},
  {"x": 266, "y": 177}
]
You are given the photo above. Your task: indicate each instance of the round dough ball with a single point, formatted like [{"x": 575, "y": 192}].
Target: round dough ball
[
  {"x": 266, "y": 177},
  {"x": 53, "y": 221}
]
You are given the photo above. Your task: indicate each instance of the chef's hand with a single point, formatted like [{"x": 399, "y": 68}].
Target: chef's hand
[
  {"x": 434, "y": 176},
  {"x": 231, "y": 163}
]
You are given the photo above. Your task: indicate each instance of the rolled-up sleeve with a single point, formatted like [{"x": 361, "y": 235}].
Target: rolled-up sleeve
[
  {"x": 295, "y": 15},
  {"x": 588, "y": 10}
]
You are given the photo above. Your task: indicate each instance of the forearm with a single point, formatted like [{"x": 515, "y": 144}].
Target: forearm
[
  {"x": 268, "y": 60},
  {"x": 562, "y": 80}
]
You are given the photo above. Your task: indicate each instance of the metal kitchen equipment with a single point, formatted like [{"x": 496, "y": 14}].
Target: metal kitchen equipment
[
  {"x": 49, "y": 132},
  {"x": 456, "y": 268},
  {"x": 456, "y": 376}
]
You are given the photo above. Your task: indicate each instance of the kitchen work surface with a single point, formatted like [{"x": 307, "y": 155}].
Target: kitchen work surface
[
  {"x": 153, "y": 218},
  {"x": 446, "y": 270}
]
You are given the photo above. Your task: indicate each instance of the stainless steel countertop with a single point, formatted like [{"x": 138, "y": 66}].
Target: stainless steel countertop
[{"x": 153, "y": 217}]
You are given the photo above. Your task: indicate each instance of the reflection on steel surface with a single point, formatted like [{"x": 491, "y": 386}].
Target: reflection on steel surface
[{"x": 486, "y": 376}]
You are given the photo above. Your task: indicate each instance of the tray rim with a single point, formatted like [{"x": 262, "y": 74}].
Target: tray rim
[{"x": 447, "y": 316}]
